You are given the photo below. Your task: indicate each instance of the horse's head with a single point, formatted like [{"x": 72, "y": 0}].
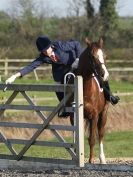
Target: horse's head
[
  {"x": 95, "y": 54},
  {"x": 96, "y": 58}
]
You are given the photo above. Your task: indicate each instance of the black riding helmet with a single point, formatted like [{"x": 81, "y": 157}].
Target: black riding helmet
[{"x": 43, "y": 43}]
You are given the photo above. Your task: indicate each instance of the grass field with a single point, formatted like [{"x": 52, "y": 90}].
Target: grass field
[
  {"x": 121, "y": 86},
  {"x": 117, "y": 144}
]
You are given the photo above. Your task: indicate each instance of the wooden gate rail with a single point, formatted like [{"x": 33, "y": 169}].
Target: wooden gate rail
[{"x": 75, "y": 148}]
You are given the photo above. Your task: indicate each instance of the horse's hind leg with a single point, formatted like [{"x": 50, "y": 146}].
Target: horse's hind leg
[
  {"x": 92, "y": 137},
  {"x": 101, "y": 132},
  {"x": 72, "y": 118}
]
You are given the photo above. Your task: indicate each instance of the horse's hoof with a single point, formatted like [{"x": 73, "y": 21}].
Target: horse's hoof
[
  {"x": 102, "y": 159},
  {"x": 103, "y": 163},
  {"x": 92, "y": 161}
]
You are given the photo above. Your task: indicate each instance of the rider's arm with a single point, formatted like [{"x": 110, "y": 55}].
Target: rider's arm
[
  {"x": 25, "y": 70},
  {"x": 33, "y": 65},
  {"x": 71, "y": 45}
]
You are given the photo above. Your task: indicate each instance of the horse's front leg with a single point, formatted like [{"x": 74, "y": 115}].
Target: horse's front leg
[
  {"x": 101, "y": 154},
  {"x": 92, "y": 137},
  {"x": 101, "y": 131}
]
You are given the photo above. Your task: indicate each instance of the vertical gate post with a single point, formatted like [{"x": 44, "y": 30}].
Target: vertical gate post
[{"x": 79, "y": 120}]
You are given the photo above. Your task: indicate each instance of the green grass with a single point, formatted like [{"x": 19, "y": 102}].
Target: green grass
[
  {"x": 34, "y": 94},
  {"x": 117, "y": 144},
  {"x": 121, "y": 86}
]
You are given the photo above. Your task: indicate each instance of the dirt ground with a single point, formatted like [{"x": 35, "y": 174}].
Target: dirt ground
[
  {"x": 120, "y": 117},
  {"x": 67, "y": 173},
  {"x": 121, "y": 170}
]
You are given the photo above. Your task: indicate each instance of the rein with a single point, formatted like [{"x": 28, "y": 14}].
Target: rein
[{"x": 92, "y": 64}]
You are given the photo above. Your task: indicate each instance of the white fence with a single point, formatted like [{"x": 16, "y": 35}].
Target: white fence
[{"x": 8, "y": 66}]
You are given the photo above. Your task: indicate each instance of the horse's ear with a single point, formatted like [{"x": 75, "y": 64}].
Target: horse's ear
[
  {"x": 88, "y": 42},
  {"x": 100, "y": 42}
]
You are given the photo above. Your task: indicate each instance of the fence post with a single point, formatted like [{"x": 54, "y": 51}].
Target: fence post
[
  {"x": 36, "y": 76},
  {"x": 79, "y": 120},
  {"x": 6, "y": 67}
]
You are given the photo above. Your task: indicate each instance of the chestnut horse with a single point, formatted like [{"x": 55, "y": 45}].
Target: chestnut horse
[{"x": 95, "y": 104}]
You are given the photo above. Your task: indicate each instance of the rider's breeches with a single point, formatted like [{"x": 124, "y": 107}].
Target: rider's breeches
[{"x": 106, "y": 89}]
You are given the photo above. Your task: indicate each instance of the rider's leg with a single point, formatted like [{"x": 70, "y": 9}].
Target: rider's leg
[
  {"x": 60, "y": 95},
  {"x": 62, "y": 112},
  {"x": 108, "y": 95}
]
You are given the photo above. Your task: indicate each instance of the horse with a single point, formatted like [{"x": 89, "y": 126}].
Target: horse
[{"x": 95, "y": 104}]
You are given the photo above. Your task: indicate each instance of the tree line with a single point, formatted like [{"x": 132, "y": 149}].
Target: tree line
[{"x": 27, "y": 21}]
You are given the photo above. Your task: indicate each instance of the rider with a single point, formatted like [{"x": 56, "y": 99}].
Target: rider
[{"x": 63, "y": 56}]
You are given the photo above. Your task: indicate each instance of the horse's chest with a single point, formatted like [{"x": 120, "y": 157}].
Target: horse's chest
[{"x": 88, "y": 89}]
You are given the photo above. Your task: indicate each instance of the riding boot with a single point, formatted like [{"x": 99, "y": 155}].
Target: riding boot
[
  {"x": 62, "y": 112},
  {"x": 108, "y": 95},
  {"x": 60, "y": 95}
]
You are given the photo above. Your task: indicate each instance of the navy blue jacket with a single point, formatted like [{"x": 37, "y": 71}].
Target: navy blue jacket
[{"x": 67, "y": 52}]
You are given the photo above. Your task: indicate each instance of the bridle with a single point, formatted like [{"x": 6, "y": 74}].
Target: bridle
[{"x": 93, "y": 64}]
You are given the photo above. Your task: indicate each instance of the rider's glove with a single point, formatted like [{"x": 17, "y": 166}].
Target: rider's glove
[
  {"x": 75, "y": 64},
  {"x": 11, "y": 79}
]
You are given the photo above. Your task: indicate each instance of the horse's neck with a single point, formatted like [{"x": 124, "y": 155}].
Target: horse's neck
[
  {"x": 85, "y": 65},
  {"x": 84, "y": 69},
  {"x": 89, "y": 80},
  {"x": 89, "y": 86}
]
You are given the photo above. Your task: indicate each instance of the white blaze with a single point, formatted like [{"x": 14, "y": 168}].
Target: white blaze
[{"x": 101, "y": 59}]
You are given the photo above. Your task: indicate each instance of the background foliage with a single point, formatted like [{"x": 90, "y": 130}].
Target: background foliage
[{"x": 26, "y": 21}]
